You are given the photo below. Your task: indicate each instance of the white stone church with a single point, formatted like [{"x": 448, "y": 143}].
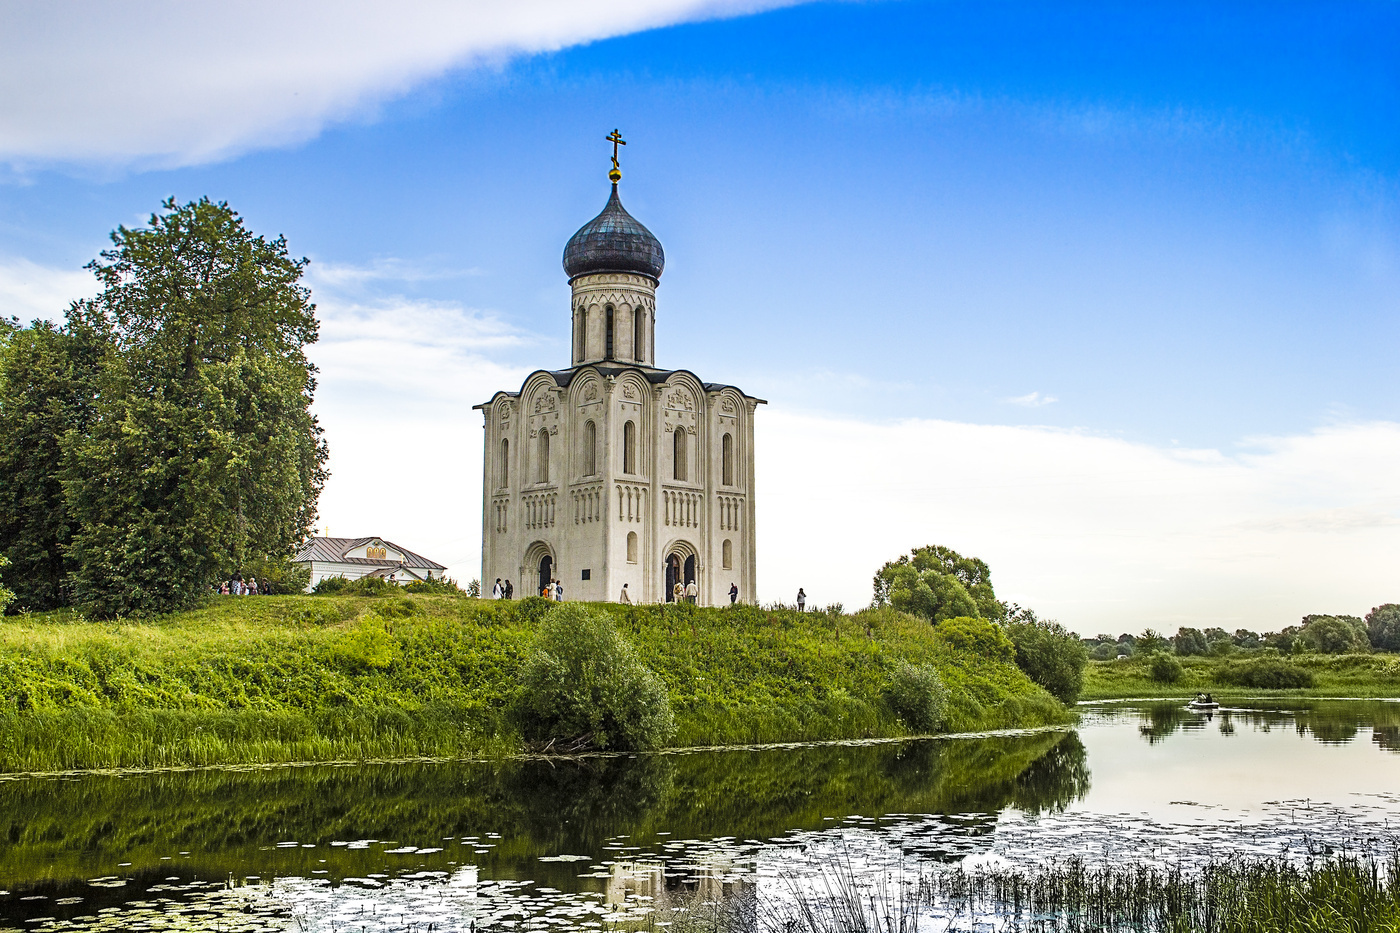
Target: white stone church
[{"x": 615, "y": 471}]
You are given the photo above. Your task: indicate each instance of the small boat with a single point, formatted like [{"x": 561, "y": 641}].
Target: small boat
[{"x": 1203, "y": 702}]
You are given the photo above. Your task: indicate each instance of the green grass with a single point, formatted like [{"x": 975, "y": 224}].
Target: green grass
[
  {"x": 1335, "y": 675},
  {"x": 303, "y": 678}
]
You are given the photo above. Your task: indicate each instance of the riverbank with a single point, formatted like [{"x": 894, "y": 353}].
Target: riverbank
[
  {"x": 313, "y": 678},
  {"x": 1332, "y": 675}
]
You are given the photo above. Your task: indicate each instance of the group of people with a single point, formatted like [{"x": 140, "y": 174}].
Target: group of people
[
  {"x": 554, "y": 590},
  {"x": 502, "y": 590},
  {"x": 239, "y": 587}
]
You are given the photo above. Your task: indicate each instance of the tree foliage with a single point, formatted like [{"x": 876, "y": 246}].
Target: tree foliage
[
  {"x": 1050, "y": 654},
  {"x": 584, "y": 685},
  {"x": 1383, "y": 627},
  {"x": 202, "y": 453},
  {"x": 938, "y": 583},
  {"x": 1333, "y": 634},
  {"x": 48, "y": 379},
  {"x": 977, "y": 635}
]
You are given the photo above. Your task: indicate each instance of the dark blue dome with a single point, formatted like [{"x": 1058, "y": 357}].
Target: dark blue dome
[{"x": 613, "y": 242}]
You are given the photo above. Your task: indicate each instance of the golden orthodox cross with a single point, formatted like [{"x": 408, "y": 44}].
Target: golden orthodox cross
[{"x": 616, "y": 139}]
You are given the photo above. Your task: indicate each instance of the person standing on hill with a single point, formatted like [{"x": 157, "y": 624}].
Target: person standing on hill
[
  {"x": 691, "y": 591},
  {"x": 733, "y": 593},
  {"x": 497, "y": 591},
  {"x": 558, "y": 592},
  {"x": 678, "y": 592},
  {"x": 625, "y": 598},
  {"x": 801, "y": 600},
  {"x": 510, "y": 590}
]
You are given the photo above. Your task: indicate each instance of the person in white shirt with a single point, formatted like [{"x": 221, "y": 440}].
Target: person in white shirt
[
  {"x": 496, "y": 591},
  {"x": 691, "y": 591},
  {"x": 625, "y": 598},
  {"x": 801, "y": 600}
]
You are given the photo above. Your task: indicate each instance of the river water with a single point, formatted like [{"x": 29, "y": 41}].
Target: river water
[{"x": 599, "y": 842}]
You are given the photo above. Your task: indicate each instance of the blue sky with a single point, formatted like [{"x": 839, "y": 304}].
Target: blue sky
[{"x": 1171, "y": 227}]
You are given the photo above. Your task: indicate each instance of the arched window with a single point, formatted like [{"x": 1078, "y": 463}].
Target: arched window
[
  {"x": 590, "y": 448},
  {"x": 580, "y": 330},
  {"x": 678, "y": 454},
  {"x": 726, "y": 553},
  {"x": 505, "y": 462},
  {"x": 727, "y": 460},
  {"x": 639, "y": 335},
  {"x": 542, "y": 475},
  {"x": 608, "y": 339},
  {"x": 629, "y": 448},
  {"x": 631, "y": 547}
]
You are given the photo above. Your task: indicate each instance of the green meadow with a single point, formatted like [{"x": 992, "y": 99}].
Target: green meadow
[
  {"x": 353, "y": 678},
  {"x": 1331, "y": 675}
]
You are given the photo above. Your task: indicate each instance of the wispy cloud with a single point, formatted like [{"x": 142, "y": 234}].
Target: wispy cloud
[
  {"x": 348, "y": 277},
  {"x": 1032, "y": 400},
  {"x": 84, "y": 83},
  {"x": 29, "y": 290}
]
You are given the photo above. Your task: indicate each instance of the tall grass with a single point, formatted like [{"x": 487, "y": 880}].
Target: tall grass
[
  {"x": 1343, "y": 895},
  {"x": 316, "y": 678}
]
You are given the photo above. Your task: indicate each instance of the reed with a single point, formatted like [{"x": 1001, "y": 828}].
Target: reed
[{"x": 1338, "y": 895}]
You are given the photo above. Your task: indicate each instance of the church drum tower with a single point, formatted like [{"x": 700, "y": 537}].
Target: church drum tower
[{"x": 614, "y": 471}]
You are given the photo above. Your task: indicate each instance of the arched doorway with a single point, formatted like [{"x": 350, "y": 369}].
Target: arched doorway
[
  {"x": 679, "y": 568},
  {"x": 546, "y": 573}
]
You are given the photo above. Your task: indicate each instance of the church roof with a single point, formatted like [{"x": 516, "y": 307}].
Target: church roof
[
  {"x": 613, "y": 241},
  {"x": 562, "y": 378},
  {"x": 333, "y": 550}
]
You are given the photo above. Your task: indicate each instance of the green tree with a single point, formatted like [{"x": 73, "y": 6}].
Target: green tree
[
  {"x": 938, "y": 583},
  {"x": 203, "y": 453},
  {"x": 48, "y": 380},
  {"x": 584, "y": 685},
  {"x": 6, "y": 596},
  {"x": 1149, "y": 641},
  {"x": 1334, "y": 634},
  {"x": 1383, "y": 627},
  {"x": 1189, "y": 641},
  {"x": 1050, "y": 655}
]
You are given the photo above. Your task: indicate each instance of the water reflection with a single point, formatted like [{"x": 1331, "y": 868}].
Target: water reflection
[
  {"x": 354, "y": 822},
  {"x": 1331, "y": 722}
]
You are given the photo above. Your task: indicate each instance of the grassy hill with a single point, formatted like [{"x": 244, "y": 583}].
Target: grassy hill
[{"x": 315, "y": 678}]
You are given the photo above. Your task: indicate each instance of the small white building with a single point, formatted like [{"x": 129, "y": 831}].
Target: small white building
[{"x": 353, "y": 558}]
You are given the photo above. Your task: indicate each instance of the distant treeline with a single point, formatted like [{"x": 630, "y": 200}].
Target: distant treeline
[{"x": 1319, "y": 634}]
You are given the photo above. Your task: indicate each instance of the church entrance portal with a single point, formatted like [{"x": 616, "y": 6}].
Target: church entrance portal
[
  {"x": 546, "y": 573},
  {"x": 678, "y": 570}
]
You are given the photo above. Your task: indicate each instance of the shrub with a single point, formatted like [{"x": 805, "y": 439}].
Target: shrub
[
  {"x": 278, "y": 576},
  {"x": 968, "y": 633},
  {"x": 1265, "y": 674},
  {"x": 445, "y": 585},
  {"x": 917, "y": 696},
  {"x": 364, "y": 586},
  {"x": 585, "y": 685},
  {"x": 1050, "y": 655},
  {"x": 1165, "y": 669}
]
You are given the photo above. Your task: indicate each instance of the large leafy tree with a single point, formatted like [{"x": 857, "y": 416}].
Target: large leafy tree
[
  {"x": 1383, "y": 627},
  {"x": 1334, "y": 634},
  {"x": 47, "y": 387},
  {"x": 1050, "y": 654},
  {"x": 202, "y": 452},
  {"x": 938, "y": 583}
]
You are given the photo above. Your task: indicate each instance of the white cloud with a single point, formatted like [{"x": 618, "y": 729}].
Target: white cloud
[
  {"x": 174, "y": 83},
  {"x": 29, "y": 290},
  {"x": 1101, "y": 533},
  {"x": 1033, "y": 400}
]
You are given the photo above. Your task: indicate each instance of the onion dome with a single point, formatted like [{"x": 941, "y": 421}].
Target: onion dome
[{"x": 613, "y": 242}]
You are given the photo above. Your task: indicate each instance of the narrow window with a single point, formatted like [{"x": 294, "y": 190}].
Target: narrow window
[
  {"x": 727, "y": 554},
  {"x": 590, "y": 448},
  {"x": 505, "y": 462},
  {"x": 678, "y": 454},
  {"x": 544, "y": 456},
  {"x": 608, "y": 340},
  {"x": 631, "y": 547},
  {"x": 639, "y": 317},
  {"x": 727, "y": 460},
  {"x": 580, "y": 329},
  {"x": 629, "y": 448}
]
